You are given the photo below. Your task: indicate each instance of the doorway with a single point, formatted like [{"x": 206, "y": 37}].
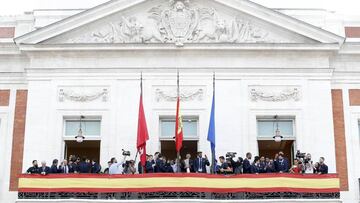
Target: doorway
[
  {"x": 168, "y": 148},
  {"x": 88, "y": 148},
  {"x": 269, "y": 148}
]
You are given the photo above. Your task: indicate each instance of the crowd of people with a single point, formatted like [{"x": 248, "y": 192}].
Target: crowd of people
[{"x": 158, "y": 163}]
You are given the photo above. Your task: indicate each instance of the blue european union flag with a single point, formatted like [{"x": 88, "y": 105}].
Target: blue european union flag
[{"x": 211, "y": 132}]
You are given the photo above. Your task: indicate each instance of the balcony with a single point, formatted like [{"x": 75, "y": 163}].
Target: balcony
[{"x": 179, "y": 186}]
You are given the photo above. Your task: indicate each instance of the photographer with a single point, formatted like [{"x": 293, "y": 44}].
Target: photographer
[
  {"x": 238, "y": 165},
  {"x": 230, "y": 160},
  {"x": 129, "y": 167},
  {"x": 115, "y": 167}
]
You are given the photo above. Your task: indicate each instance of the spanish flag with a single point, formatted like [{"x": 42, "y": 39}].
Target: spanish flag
[{"x": 178, "y": 122}]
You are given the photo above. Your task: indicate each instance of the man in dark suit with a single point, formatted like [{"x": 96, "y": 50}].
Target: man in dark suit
[
  {"x": 54, "y": 166},
  {"x": 270, "y": 168},
  {"x": 255, "y": 166},
  {"x": 73, "y": 166},
  {"x": 84, "y": 166},
  {"x": 156, "y": 156},
  {"x": 159, "y": 164},
  {"x": 44, "y": 170},
  {"x": 247, "y": 164},
  {"x": 323, "y": 168},
  {"x": 95, "y": 167},
  {"x": 34, "y": 169},
  {"x": 282, "y": 164},
  {"x": 64, "y": 167},
  {"x": 149, "y": 164},
  {"x": 262, "y": 165},
  {"x": 200, "y": 163}
]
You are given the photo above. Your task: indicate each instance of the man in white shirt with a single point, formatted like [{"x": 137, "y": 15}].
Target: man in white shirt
[{"x": 115, "y": 167}]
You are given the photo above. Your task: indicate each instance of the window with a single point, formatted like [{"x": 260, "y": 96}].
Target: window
[
  {"x": 190, "y": 127},
  {"x": 267, "y": 127},
  {"x": 89, "y": 127}
]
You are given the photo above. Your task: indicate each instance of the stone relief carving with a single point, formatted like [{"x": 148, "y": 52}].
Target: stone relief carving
[
  {"x": 270, "y": 96},
  {"x": 71, "y": 95},
  {"x": 185, "y": 95},
  {"x": 178, "y": 22}
]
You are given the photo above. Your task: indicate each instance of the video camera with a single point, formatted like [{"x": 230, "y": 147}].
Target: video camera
[
  {"x": 230, "y": 154},
  {"x": 300, "y": 155},
  {"x": 125, "y": 153}
]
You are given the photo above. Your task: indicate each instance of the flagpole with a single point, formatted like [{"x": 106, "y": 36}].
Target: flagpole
[
  {"x": 141, "y": 92},
  {"x": 141, "y": 83}
]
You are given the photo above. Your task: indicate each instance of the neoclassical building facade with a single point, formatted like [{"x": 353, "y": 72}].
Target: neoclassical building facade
[{"x": 292, "y": 69}]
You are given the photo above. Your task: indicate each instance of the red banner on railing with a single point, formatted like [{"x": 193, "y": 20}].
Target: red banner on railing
[{"x": 161, "y": 182}]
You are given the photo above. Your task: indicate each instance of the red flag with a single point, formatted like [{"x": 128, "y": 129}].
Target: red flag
[
  {"x": 178, "y": 127},
  {"x": 142, "y": 133}
]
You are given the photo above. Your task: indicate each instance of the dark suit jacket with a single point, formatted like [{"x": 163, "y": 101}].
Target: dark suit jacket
[
  {"x": 270, "y": 168},
  {"x": 54, "y": 169},
  {"x": 84, "y": 167},
  {"x": 73, "y": 167},
  {"x": 191, "y": 163},
  {"x": 62, "y": 169},
  {"x": 95, "y": 168},
  {"x": 46, "y": 170},
  {"x": 203, "y": 163},
  {"x": 246, "y": 166},
  {"x": 254, "y": 168},
  {"x": 282, "y": 166},
  {"x": 159, "y": 166},
  {"x": 33, "y": 170},
  {"x": 148, "y": 167},
  {"x": 262, "y": 167},
  {"x": 323, "y": 169}
]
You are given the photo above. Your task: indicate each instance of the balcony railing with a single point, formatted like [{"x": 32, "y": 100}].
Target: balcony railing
[{"x": 174, "y": 186}]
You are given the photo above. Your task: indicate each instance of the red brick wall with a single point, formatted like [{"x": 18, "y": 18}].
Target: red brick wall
[
  {"x": 352, "y": 32},
  {"x": 4, "y": 97},
  {"x": 339, "y": 135},
  {"x": 18, "y": 138},
  {"x": 7, "y": 32},
  {"x": 354, "y": 97}
]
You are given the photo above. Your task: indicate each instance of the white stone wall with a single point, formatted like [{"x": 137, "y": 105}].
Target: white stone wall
[{"x": 235, "y": 113}]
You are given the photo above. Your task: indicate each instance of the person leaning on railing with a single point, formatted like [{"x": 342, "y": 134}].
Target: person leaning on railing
[{"x": 34, "y": 169}]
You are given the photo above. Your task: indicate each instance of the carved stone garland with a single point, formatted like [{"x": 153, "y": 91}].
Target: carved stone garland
[
  {"x": 81, "y": 97},
  {"x": 284, "y": 95},
  {"x": 178, "y": 23},
  {"x": 185, "y": 95}
]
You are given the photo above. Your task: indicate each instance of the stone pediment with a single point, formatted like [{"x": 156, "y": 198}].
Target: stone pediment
[{"x": 180, "y": 22}]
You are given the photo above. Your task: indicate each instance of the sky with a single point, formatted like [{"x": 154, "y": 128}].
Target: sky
[{"x": 14, "y": 7}]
